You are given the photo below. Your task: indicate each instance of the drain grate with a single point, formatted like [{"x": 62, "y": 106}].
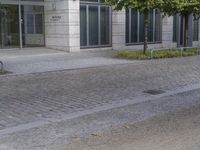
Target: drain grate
[{"x": 154, "y": 92}]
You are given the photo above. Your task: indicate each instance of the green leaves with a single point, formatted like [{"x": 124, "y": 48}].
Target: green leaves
[
  {"x": 140, "y": 5},
  {"x": 169, "y": 7},
  {"x": 172, "y": 7}
]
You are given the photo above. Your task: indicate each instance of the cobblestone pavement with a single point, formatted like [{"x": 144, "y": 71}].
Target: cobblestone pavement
[{"x": 35, "y": 97}]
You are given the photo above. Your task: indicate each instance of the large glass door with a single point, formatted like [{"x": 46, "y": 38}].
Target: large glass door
[
  {"x": 9, "y": 26},
  {"x": 21, "y": 23},
  {"x": 32, "y": 25},
  {"x": 95, "y": 24}
]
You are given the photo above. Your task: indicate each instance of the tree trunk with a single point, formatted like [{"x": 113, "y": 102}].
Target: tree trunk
[
  {"x": 186, "y": 30},
  {"x": 146, "y": 24}
]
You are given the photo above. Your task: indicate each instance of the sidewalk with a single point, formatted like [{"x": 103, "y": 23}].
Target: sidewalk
[{"x": 43, "y": 60}]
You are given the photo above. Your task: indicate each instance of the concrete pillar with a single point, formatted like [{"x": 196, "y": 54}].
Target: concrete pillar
[
  {"x": 62, "y": 25},
  {"x": 74, "y": 25},
  {"x": 118, "y": 30},
  {"x": 167, "y": 33}
]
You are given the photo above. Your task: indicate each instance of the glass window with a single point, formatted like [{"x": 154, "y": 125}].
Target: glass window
[
  {"x": 38, "y": 24},
  {"x": 90, "y": 1},
  {"x": 9, "y": 26},
  {"x": 195, "y": 30},
  {"x": 175, "y": 22},
  {"x": 135, "y": 26},
  {"x": 32, "y": 25},
  {"x": 83, "y": 26},
  {"x": 95, "y": 26},
  {"x": 127, "y": 26},
  {"x": 104, "y": 19},
  {"x": 141, "y": 27},
  {"x": 158, "y": 25},
  {"x": 31, "y": 18},
  {"x": 34, "y": 19},
  {"x": 30, "y": 22},
  {"x": 151, "y": 26},
  {"x": 34, "y": 0}
]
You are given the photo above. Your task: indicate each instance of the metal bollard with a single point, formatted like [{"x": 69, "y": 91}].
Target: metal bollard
[
  {"x": 151, "y": 53},
  {"x": 181, "y": 51},
  {"x": 197, "y": 51},
  {"x": 1, "y": 67}
]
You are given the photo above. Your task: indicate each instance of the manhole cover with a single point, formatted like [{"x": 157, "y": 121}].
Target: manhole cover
[{"x": 154, "y": 92}]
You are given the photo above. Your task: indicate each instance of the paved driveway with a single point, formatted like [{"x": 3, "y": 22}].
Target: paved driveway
[{"x": 34, "y": 99}]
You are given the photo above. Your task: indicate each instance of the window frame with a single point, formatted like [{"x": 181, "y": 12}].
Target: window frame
[
  {"x": 129, "y": 43},
  {"x": 98, "y": 4},
  {"x": 34, "y": 23},
  {"x": 195, "y": 38},
  {"x": 175, "y": 28}
]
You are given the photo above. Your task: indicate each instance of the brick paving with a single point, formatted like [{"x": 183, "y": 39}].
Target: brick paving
[{"x": 32, "y": 97}]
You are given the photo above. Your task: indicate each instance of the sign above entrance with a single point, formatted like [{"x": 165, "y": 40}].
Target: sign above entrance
[{"x": 55, "y": 18}]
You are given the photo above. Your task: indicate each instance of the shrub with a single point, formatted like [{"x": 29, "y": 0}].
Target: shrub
[{"x": 138, "y": 55}]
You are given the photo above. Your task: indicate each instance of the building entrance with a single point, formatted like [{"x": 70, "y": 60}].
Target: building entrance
[
  {"x": 32, "y": 26},
  {"x": 21, "y": 24}
]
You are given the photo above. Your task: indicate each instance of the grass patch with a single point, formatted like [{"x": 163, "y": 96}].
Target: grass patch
[{"x": 138, "y": 55}]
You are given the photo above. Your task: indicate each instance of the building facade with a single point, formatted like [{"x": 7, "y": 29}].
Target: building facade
[{"x": 78, "y": 25}]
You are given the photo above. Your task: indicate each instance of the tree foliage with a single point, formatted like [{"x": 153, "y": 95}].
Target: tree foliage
[
  {"x": 183, "y": 7},
  {"x": 140, "y": 5}
]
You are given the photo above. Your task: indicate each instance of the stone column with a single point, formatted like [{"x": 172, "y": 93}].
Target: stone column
[
  {"x": 74, "y": 25},
  {"x": 118, "y": 30},
  {"x": 167, "y": 32},
  {"x": 62, "y": 25}
]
